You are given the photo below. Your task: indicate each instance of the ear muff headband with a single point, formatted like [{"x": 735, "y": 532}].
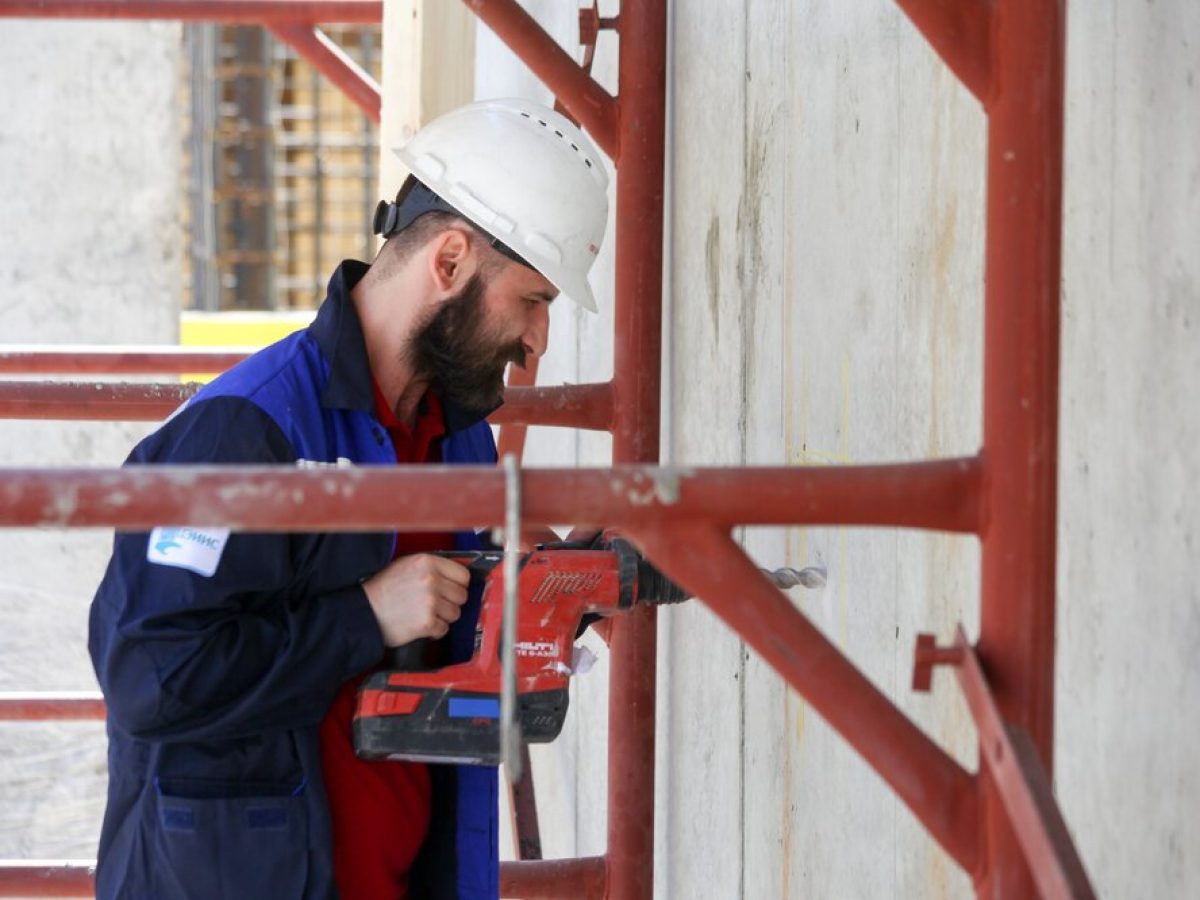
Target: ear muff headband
[{"x": 414, "y": 201}]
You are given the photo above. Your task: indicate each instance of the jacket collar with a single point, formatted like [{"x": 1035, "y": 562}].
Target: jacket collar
[{"x": 338, "y": 333}]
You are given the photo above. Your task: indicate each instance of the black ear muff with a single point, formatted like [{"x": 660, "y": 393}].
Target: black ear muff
[{"x": 384, "y": 222}]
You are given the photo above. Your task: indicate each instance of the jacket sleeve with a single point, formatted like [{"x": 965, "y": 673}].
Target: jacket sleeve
[{"x": 202, "y": 634}]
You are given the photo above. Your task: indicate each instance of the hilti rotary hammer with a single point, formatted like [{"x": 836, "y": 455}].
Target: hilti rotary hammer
[{"x": 452, "y": 714}]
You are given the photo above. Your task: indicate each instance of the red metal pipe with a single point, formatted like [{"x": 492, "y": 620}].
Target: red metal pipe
[
  {"x": 51, "y": 706},
  {"x": 47, "y": 878},
  {"x": 554, "y": 878},
  {"x": 250, "y": 12},
  {"x": 637, "y": 365},
  {"x": 116, "y": 360},
  {"x": 512, "y": 437},
  {"x": 334, "y": 63},
  {"x": 593, "y": 106},
  {"x": 959, "y": 31},
  {"x": 1023, "y": 786},
  {"x": 587, "y": 406},
  {"x": 1020, "y": 391},
  {"x": 522, "y": 799},
  {"x": 581, "y": 878},
  {"x": 707, "y": 562},
  {"x": 570, "y": 406},
  {"x": 96, "y": 401},
  {"x": 540, "y": 880},
  {"x": 936, "y": 495}
]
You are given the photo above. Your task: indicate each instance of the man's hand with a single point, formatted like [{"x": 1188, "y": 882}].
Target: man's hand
[{"x": 417, "y": 596}]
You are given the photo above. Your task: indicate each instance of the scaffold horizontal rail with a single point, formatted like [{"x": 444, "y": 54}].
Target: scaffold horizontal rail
[
  {"x": 587, "y": 406},
  {"x": 95, "y": 401},
  {"x": 124, "y": 359},
  {"x": 51, "y": 706},
  {"x": 941, "y": 495},
  {"x": 47, "y": 878},
  {"x": 251, "y": 12},
  {"x": 579, "y": 878},
  {"x": 550, "y": 879}
]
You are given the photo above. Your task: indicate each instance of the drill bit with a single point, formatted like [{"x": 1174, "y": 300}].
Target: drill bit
[{"x": 786, "y": 577}]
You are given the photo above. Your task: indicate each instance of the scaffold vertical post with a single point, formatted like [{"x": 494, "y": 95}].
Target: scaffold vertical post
[
  {"x": 1021, "y": 377},
  {"x": 637, "y": 378}
]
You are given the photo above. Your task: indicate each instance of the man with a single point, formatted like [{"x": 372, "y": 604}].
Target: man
[{"x": 229, "y": 661}]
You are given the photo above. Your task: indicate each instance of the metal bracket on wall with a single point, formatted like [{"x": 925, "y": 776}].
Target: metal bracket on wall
[{"x": 1008, "y": 753}]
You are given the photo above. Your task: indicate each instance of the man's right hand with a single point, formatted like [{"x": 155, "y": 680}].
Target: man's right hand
[{"x": 417, "y": 596}]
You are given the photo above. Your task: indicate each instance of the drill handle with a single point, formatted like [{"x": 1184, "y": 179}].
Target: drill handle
[
  {"x": 414, "y": 656},
  {"x": 410, "y": 657}
]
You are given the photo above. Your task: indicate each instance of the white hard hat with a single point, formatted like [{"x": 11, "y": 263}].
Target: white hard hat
[{"x": 525, "y": 175}]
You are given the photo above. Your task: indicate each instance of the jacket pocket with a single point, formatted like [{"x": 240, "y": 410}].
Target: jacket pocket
[{"x": 228, "y": 840}]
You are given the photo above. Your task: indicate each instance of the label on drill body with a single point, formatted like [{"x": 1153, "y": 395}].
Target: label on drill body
[{"x": 544, "y": 649}]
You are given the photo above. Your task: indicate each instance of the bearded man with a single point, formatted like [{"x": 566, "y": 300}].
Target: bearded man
[{"x": 230, "y": 661}]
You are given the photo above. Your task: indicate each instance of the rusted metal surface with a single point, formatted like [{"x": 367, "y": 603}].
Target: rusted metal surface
[
  {"x": 511, "y": 438},
  {"x": 592, "y": 105},
  {"x": 100, "y": 401},
  {"x": 540, "y": 880},
  {"x": 51, "y": 706},
  {"x": 1028, "y": 800},
  {"x": 637, "y": 365},
  {"x": 554, "y": 879},
  {"x": 47, "y": 878},
  {"x": 250, "y": 12},
  {"x": 90, "y": 359},
  {"x": 706, "y": 562},
  {"x": 928, "y": 654},
  {"x": 960, "y": 33},
  {"x": 587, "y": 406},
  {"x": 936, "y": 495},
  {"x": 334, "y": 63},
  {"x": 523, "y": 803},
  {"x": 1020, "y": 394}
]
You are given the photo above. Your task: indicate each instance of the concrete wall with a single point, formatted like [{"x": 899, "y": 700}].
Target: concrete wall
[
  {"x": 1129, "y": 523},
  {"x": 824, "y": 305},
  {"x": 89, "y": 253}
]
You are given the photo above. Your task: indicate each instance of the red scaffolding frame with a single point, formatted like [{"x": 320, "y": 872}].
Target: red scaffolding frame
[{"x": 1000, "y": 824}]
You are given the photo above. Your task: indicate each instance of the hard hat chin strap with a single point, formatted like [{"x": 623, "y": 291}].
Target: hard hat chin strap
[{"x": 414, "y": 200}]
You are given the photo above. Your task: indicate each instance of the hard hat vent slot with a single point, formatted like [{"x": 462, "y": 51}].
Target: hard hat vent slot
[{"x": 587, "y": 162}]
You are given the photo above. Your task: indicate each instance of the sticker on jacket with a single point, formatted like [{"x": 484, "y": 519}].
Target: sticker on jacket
[{"x": 187, "y": 548}]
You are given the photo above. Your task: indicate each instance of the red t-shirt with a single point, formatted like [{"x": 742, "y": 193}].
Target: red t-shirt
[{"x": 380, "y": 810}]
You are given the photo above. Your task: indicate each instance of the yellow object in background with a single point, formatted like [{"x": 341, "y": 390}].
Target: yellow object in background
[{"x": 251, "y": 329}]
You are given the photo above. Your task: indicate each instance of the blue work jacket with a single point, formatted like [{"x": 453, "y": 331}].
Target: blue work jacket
[{"x": 219, "y": 653}]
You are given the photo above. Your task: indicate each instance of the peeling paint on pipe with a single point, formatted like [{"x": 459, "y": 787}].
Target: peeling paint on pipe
[{"x": 940, "y": 495}]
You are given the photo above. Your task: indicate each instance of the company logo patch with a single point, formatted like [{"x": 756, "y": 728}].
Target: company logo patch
[{"x": 187, "y": 548}]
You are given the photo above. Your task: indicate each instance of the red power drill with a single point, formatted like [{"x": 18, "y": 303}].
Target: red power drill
[{"x": 452, "y": 714}]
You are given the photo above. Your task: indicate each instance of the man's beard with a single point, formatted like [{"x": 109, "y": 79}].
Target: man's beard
[{"x": 463, "y": 358}]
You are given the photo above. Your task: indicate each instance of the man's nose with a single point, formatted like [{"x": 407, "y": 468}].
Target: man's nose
[{"x": 537, "y": 330}]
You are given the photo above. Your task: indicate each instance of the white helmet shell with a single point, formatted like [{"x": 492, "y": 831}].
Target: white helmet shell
[{"x": 525, "y": 175}]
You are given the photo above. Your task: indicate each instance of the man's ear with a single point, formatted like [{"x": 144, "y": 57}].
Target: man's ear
[{"x": 452, "y": 260}]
